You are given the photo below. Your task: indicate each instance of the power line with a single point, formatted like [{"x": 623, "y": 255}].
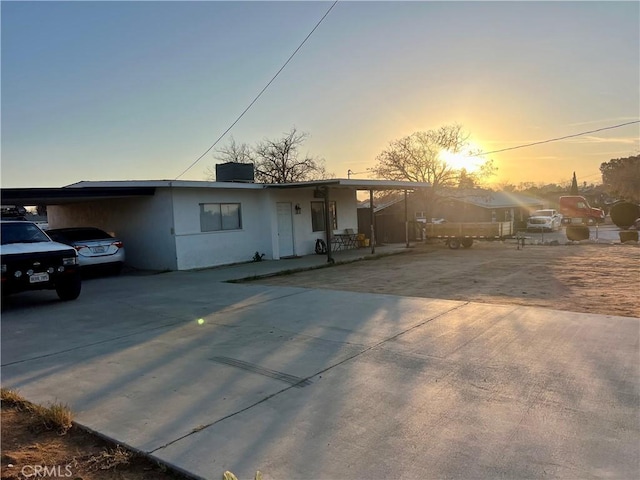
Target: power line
[
  {"x": 261, "y": 92},
  {"x": 558, "y": 138}
]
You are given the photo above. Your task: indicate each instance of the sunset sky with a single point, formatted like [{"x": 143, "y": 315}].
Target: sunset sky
[{"x": 139, "y": 90}]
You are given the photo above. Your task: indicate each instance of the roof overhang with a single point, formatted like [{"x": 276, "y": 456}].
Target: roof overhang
[
  {"x": 57, "y": 196},
  {"x": 90, "y": 191},
  {"x": 355, "y": 184}
]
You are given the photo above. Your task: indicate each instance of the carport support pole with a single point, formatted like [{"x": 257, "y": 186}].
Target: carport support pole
[
  {"x": 406, "y": 218},
  {"x": 327, "y": 224},
  {"x": 373, "y": 231}
]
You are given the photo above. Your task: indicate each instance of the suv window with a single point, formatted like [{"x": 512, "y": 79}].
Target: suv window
[{"x": 22, "y": 233}]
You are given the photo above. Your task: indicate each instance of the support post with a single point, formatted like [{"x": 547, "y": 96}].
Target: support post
[
  {"x": 373, "y": 231},
  {"x": 327, "y": 224},
  {"x": 406, "y": 218}
]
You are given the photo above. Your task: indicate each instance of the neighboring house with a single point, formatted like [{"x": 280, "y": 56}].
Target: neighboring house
[
  {"x": 486, "y": 206},
  {"x": 453, "y": 206},
  {"x": 182, "y": 225},
  {"x": 390, "y": 220}
]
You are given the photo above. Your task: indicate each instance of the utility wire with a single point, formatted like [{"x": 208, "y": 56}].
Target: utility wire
[
  {"x": 557, "y": 139},
  {"x": 261, "y": 92}
]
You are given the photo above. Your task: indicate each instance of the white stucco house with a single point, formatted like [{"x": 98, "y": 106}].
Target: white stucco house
[{"x": 183, "y": 225}]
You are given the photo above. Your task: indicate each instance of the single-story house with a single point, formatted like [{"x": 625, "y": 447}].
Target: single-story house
[
  {"x": 454, "y": 206},
  {"x": 182, "y": 225},
  {"x": 486, "y": 206}
]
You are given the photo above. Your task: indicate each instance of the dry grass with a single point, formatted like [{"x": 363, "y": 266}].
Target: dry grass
[
  {"x": 57, "y": 416},
  {"x": 12, "y": 398},
  {"x": 37, "y": 435},
  {"x": 110, "y": 458},
  {"x": 230, "y": 476}
]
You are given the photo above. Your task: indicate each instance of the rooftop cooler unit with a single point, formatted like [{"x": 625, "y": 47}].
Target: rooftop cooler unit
[{"x": 234, "y": 172}]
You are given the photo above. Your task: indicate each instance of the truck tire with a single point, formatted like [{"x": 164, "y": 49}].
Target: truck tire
[
  {"x": 454, "y": 243},
  {"x": 467, "y": 242},
  {"x": 70, "y": 288},
  {"x": 591, "y": 221}
]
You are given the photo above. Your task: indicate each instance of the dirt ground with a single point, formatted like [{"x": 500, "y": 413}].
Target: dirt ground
[
  {"x": 28, "y": 448},
  {"x": 582, "y": 277}
]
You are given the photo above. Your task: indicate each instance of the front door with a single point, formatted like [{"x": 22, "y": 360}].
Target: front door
[{"x": 285, "y": 229}]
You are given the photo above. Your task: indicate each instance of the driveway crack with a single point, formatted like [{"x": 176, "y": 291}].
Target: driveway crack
[{"x": 304, "y": 381}]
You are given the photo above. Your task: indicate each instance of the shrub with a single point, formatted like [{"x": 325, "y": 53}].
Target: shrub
[{"x": 624, "y": 214}]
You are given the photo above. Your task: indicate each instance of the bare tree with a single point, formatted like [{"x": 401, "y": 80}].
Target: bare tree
[
  {"x": 418, "y": 158},
  {"x": 280, "y": 160},
  {"x": 232, "y": 152}
]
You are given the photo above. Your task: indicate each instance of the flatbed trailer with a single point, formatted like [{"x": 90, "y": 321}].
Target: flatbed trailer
[{"x": 464, "y": 233}]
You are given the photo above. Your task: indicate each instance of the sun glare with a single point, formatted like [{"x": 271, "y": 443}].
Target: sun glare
[{"x": 461, "y": 160}]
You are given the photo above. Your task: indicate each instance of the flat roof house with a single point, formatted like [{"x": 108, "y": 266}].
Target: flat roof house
[{"x": 183, "y": 225}]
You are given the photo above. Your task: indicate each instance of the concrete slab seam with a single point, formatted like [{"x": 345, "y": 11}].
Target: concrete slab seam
[{"x": 308, "y": 378}]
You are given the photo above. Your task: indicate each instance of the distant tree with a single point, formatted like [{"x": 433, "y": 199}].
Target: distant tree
[
  {"x": 418, "y": 158},
  {"x": 574, "y": 186},
  {"x": 280, "y": 160},
  {"x": 232, "y": 152},
  {"x": 275, "y": 161},
  {"x": 466, "y": 181},
  {"x": 621, "y": 176}
]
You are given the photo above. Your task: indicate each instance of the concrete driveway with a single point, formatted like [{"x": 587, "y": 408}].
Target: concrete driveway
[{"x": 301, "y": 383}]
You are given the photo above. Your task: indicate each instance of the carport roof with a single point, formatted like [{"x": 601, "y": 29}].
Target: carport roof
[
  {"x": 56, "y": 196},
  {"x": 356, "y": 184},
  {"x": 100, "y": 190},
  {"x": 333, "y": 182}
]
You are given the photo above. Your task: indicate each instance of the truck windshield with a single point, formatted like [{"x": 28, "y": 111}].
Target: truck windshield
[{"x": 22, "y": 232}]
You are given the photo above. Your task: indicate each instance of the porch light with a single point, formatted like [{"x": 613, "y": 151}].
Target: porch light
[{"x": 298, "y": 209}]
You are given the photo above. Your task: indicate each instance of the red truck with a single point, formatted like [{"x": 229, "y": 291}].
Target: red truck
[{"x": 576, "y": 210}]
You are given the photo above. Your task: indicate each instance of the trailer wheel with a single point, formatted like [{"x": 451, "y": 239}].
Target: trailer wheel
[
  {"x": 454, "y": 243},
  {"x": 467, "y": 242}
]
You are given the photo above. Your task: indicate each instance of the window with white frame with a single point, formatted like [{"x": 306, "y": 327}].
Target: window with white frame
[
  {"x": 220, "y": 216},
  {"x": 317, "y": 216}
]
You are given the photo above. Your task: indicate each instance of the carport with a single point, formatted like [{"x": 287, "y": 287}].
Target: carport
[{"x": 323, "y": 188}]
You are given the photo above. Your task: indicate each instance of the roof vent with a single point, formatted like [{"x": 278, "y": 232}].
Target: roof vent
[{"x": 234, "y": 172}]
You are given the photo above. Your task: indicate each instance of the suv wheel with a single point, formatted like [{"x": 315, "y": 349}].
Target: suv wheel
[{"x": 70, "y": 288}]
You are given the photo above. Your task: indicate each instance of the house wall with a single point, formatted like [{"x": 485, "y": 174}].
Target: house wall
[
  {"x": 197, "y": 249},
  {"x": 141, "y": 223},
  {"x": 163, "y": 232},
  {"x": 304, "y": 236}
]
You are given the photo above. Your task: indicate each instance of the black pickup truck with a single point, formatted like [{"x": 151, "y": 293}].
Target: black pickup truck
[{"x": 32, "y": 261}]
